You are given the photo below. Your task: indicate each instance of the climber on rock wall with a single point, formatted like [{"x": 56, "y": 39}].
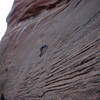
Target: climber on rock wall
[{"x": 43, "y": 49}]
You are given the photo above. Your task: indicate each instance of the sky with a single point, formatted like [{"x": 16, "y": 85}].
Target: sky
[{"x": 5, "y": 7}]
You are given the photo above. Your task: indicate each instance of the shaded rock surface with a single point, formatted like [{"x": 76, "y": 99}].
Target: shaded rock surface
[{"x": 69, "y": 69}]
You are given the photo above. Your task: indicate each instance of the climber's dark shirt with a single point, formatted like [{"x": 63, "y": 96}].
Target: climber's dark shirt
[{"x": 44, "y": 46}]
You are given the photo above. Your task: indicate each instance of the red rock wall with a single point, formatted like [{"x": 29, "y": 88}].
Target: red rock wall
[{"x": 69, "y": 69}]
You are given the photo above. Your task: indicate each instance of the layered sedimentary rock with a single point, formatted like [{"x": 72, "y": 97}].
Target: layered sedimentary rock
[{"x": 51, "y": 51}]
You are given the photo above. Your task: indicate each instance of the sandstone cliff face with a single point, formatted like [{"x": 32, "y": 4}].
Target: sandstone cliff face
[{"x": 69, "y": 69}]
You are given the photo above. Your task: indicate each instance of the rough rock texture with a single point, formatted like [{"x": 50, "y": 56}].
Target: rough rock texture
[{"x": 69, "y": 69}]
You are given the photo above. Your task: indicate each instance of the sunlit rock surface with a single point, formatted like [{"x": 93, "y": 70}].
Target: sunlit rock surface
[{"x": 69, "y": 68}]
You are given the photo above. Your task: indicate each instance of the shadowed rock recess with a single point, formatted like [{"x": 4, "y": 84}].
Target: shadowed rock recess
[{"x": 68, "y": 34}]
